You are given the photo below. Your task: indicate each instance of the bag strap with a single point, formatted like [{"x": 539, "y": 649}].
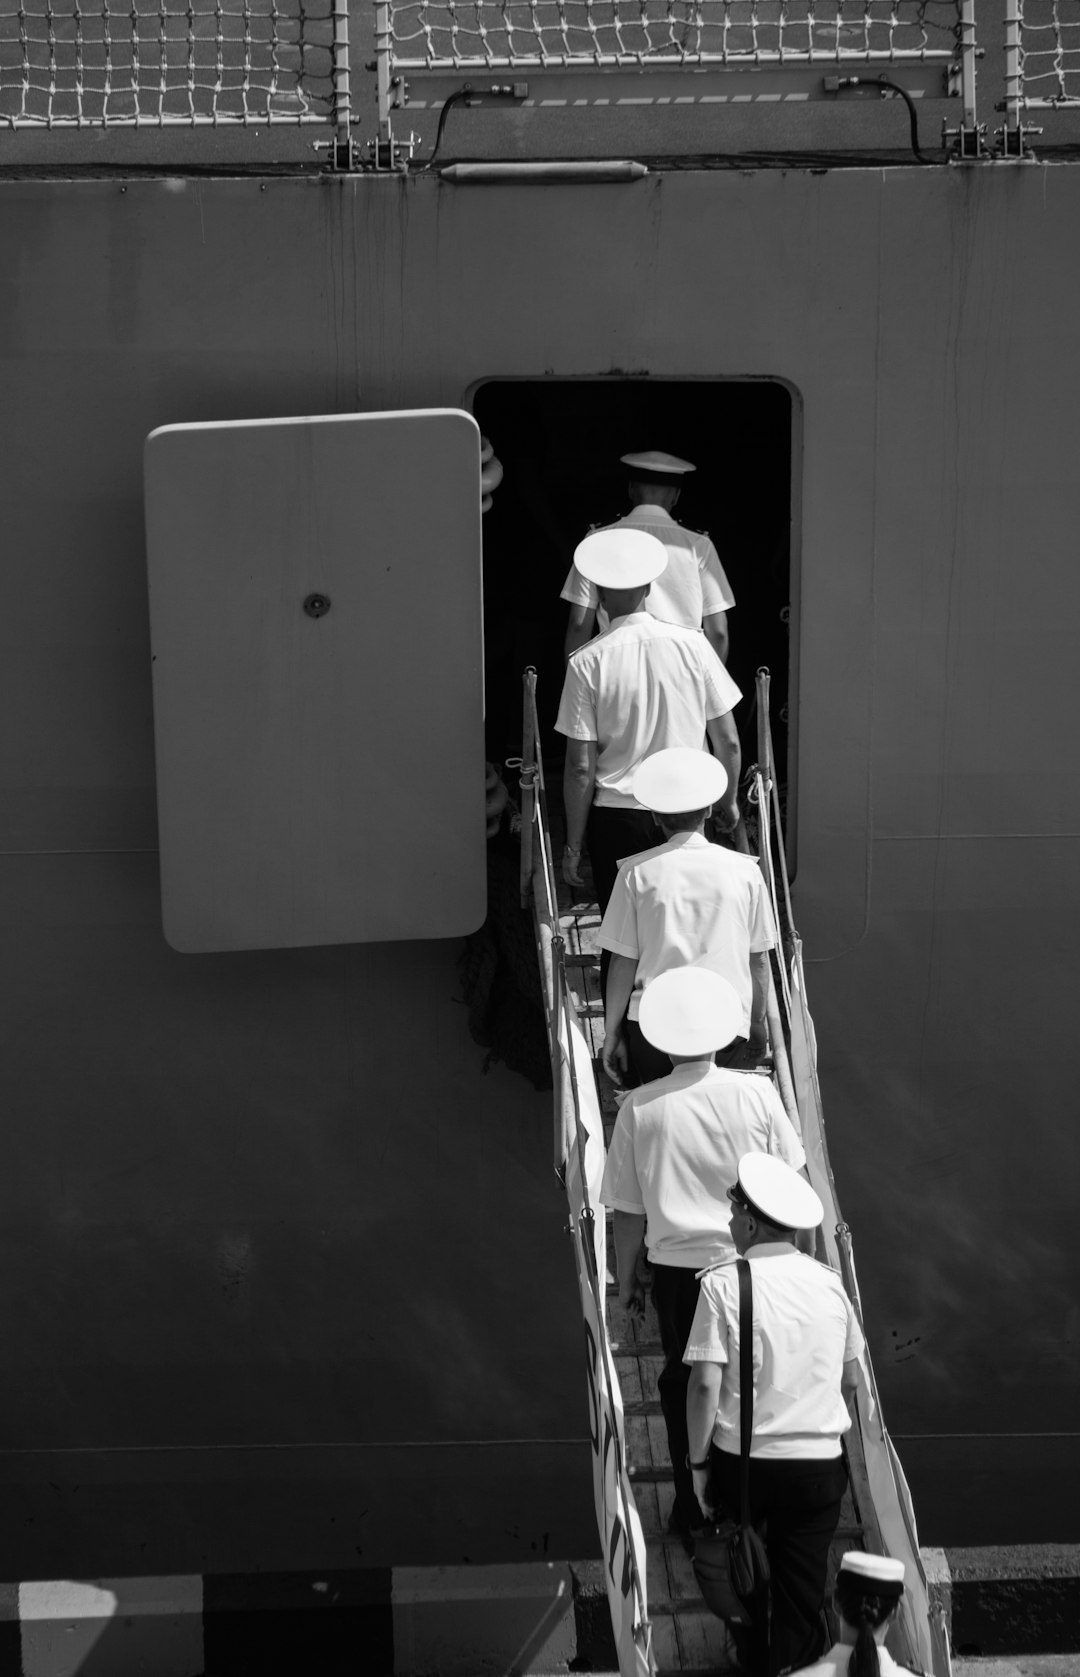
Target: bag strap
[{"x": 746, "y": 1385}]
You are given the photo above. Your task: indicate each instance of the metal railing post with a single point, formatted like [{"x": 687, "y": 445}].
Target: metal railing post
[
  {"x": 342, "y": 152},
  {"x": 383, "y": 41},
  {"x": 1014, "y": 90},
  {"x": 386, "y": 150},
  {"x": 969, "y": 136},
  {"x": 763, "y": 680},
  {"x": 1013, "y": 133},
  {"x": 528, "y": 781},
  {"x": 967, "y": 66}
]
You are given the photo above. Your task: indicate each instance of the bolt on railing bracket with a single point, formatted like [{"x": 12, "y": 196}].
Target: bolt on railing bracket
[
  {"x": 968, "y": 143},
  {"x": 342, "y": 152},
  {"x": 389, "y": 152},
  {"x": 1012, "y": 142}
]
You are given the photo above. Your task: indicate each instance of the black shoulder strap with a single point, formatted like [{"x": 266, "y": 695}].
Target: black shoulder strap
[{"x": 746, "y": 1385}]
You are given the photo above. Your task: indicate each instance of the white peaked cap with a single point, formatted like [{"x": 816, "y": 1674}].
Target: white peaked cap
[
  {"x": 875, "y": 1570},
  {"x": 690, "y": 1010},
  {"x": 781, "y": 1195},
  {"x": 620, "y": 558},
  {"x": 655, "y": 461},
  {"x": 678, "y": 779}
]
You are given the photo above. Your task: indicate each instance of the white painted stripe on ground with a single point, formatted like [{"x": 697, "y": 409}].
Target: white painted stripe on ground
[
  {"x": 104, "y": 1598},
  {"x": 123, "y": 1625}
]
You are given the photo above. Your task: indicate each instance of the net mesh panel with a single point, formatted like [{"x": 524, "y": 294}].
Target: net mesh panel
[
  {"x": 68, "y": 64},
  {"x": 462, "y": 34},
  {"x": 1050, "y": 52}
]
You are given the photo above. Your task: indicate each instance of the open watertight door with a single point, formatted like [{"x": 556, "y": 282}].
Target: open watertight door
[{"x": 316, "y": 628}]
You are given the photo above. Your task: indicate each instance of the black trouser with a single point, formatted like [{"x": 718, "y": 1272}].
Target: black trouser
[
  {"x": 798, "y": 1502},
  {"x": 675, "y": 1295},
  {"x": 612, "y": 835},
  {"x": 648, "y": 1063}
]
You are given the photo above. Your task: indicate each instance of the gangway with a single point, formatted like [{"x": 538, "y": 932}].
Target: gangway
[{"x": 660, "y": 1622}]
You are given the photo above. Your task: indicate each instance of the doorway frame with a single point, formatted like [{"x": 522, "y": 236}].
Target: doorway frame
[{"x": 795, "y": 526}]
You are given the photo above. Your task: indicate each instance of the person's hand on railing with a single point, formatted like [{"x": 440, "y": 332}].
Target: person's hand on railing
[
  {"x": 614, "y": 1057},
  {"x": 571, "y": 865}
]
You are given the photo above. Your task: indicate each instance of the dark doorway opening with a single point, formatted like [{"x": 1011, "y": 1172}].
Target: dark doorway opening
[{"x": 559, "y": 441}]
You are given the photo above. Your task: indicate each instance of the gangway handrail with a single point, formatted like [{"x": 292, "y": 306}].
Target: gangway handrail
[
  {"x": 620, "y": 1525},
  {"x": 921, "y": 1631}
]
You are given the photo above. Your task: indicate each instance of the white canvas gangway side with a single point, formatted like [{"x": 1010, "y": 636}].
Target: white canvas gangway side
[{"x": 579, "y": 1166}]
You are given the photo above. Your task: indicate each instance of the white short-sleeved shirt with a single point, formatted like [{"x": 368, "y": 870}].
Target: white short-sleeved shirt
[
  {"x": 675, "y": 1152},
  {"x": 640, "y": 687},
  {"x": 804, "y": 1332},
  {"x": 689, "y": 903},
  {"x": 835, "y": 1663},
  {"x": 692, "y": 587}
]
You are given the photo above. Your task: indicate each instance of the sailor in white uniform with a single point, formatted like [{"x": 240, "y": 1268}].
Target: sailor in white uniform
[
  {"x": 673, "y": 1157},
  {"x": 693, "y": 591},
  {"x": 867, "y": 1597},
  {"x": 806, "y": 1350},
  {"x": 640, "y": 687},
  {"x": 683, "y": 902}
]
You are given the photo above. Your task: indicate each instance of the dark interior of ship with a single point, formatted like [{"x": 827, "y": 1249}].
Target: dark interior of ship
[{"x": 559, "y": 441}]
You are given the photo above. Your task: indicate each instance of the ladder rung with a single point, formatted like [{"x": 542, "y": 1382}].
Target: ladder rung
[
  {"x": 650, "y": 1475},
  {"x": 639, "y": 1348},
  {"x": 665, "y": 1540},
  {"x": 698, "y": 1670},
  {"x": 678, "y": 1604}
]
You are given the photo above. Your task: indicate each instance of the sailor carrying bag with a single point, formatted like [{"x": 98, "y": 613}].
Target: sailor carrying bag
[{"x": 730, "y": 1563}]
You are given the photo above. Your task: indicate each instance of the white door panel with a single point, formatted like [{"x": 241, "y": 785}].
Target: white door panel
[{"x": 320, "y": 777}]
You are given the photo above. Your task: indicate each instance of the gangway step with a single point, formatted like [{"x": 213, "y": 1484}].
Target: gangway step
[
  {"x": 679, "y": 1605},
  {"x": 699, "y": 1670}
]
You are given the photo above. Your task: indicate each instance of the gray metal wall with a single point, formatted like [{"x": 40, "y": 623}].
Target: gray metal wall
[{"x": 270, "y": 1199}]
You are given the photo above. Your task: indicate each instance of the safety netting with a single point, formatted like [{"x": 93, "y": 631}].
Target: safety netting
[
  {"x": 158, "y": 63},
  {"x": 463, "y": 34},
  {"x": 1049, "y": 51}
]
